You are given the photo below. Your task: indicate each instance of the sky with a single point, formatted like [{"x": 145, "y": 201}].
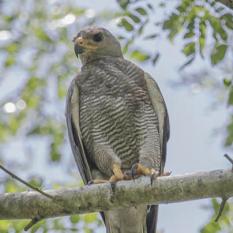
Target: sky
[{"x": 192, "y": 146}]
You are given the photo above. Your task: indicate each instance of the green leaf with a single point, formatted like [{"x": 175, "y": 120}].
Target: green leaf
[
  {"x": 140, "y": 56},
  {"x": 188, "y": 34},
  {"x": 217, "y": 27},
  {"x": 141, "y": 11},
  {"x": 10, "y": 60},
  {"x": 35, "y": 82},
  {"x": 228, "y": 18},
  {"x": 39, "y": 226},
  {"x": 123, "y": 3},
  {"x": 12, "y": 48},
  {"x": 90, "y": 218},
  {"x": 230, "y": 96},
  {"x": 14, "y": 124},
  {"x": 174, "y": 24},
  {"x": 135, "y": 18},
  {"x": 218, "y": 53},
  {"x": 61, "y": 90},
  {"x": 4, "y": 226},
  {"x": 74, "y": 219},
  {"x": 227, "y": 82},
  {"x": 202, "y": 37},
  {"x": 229, "y": 138},
  {"x": 36, "y": 181},
  {"x": 189, "y": 49},
  {"x": 171, "y": 22},
  {"x": 42, "y": 35},
  {"x": 128, "y": 26}
]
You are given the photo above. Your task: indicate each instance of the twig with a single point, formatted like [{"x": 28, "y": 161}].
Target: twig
[
  {"x": 37, "y": 218},
  {"x": 34, "y": 221},
  {"x": 224, "y": 199},
  {"x": 25, "y": 183},
  {"x": 221, "y": 208},
  {"x": 229, "y": 159}
]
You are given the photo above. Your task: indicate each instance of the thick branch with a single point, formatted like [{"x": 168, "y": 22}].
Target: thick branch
[
  {"x": 93, "y": 198},
  {"x": 227, "y": 3}
]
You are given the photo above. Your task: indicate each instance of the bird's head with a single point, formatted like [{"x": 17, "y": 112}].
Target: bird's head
[{"x": 93, "y": 43}]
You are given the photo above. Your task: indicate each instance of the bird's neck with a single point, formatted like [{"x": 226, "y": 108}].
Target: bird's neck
[{"x": 90, "y": 58}]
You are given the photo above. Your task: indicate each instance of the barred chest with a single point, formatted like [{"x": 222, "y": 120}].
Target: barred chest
[
  {"x": 115, "y": 79},
  {"x": 115, "y": 110}
]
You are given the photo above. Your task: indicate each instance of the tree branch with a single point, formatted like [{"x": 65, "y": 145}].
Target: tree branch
[
  {"x": 25, "y": 205},
  {"x": 227, "y": 3}
]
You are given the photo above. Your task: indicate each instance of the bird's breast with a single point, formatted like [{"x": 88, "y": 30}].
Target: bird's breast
[{"x": 114, "y": 107}]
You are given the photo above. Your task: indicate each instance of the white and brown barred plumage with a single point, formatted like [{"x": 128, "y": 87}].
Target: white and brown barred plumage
[{"x": 116, "y": 115}]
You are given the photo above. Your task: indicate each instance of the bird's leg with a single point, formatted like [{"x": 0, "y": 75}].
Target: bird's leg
[
  {"x": 117, "y": 176},
  {"x": 139, "y": 169},
  {"x": 117, "y": 173}
]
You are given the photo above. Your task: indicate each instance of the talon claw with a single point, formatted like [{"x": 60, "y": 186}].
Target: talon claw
[
  {"x": 151, "y": 179},
  {"x": 127, "y": 175},
  {"x": 167, "y": 173},
  {"x": 113, "y": 186},
  {"x": 90, "y": 182},
  {"x": 134, "y": 170},
  {"x": 153, "y": 176}
]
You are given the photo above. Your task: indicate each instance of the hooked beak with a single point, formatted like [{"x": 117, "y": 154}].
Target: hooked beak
[
  {"x": 78, "y": 45},
  {"x": 82, "y": 44}
]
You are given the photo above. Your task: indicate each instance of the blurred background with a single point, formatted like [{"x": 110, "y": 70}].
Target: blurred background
[{"x": 186, "y": 45}]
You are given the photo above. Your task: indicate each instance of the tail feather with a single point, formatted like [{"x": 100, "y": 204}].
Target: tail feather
[
  {"x": 137, "y": 219},
  {"x": 127, "y": 220},
  {"x": 151, "y": 219}
]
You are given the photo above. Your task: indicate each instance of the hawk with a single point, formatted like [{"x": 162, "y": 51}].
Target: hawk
[{"x": 117, "y": 124}]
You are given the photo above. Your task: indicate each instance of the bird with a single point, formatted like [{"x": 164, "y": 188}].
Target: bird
[{"x": 118, "y": 124}]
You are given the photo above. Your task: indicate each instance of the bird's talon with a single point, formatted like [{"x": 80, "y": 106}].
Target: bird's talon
[
  {"x": 166, "y": 173},
  {"x": 127, "y": 175},
  {"x": 90, "y": 182},
  {"x": 117, "y": 173},
  {"x": 134, "y": 171},
  {"x": 113, "y": 186},
  {"x": 153, "y": 176}
]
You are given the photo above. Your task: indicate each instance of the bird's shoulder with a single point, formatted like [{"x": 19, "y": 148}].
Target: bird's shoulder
[{"x": 110, "y": 72}]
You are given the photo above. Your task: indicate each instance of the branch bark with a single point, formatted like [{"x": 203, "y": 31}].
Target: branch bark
[
  {"x": 227, "y": 3},
  {"x": 218, "y": 183}
]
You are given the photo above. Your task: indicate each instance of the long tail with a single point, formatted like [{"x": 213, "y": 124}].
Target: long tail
[
  {"x": 139, "y": 219},
  {"x": 151, "y": 219}
]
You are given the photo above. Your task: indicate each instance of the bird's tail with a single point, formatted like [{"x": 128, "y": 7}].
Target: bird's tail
[{"x": 131, "y": 220}]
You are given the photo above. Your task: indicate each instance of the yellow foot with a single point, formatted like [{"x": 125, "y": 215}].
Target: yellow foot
[
  {"x": 139, "y": 170},
  {"x": 117, "y": 176}
]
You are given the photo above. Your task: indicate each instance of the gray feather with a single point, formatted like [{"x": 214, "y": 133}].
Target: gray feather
[
  {"x": 72, "y": 120},
  {"x": 159, "y": 106}
]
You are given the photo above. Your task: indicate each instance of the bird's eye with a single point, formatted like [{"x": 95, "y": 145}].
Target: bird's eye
[{"x": 98, "y": 37}]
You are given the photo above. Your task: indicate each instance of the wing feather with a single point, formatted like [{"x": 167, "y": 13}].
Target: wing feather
[
  {"x": 160, "y": 108},
  {"x": 74, "y": 132}
]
